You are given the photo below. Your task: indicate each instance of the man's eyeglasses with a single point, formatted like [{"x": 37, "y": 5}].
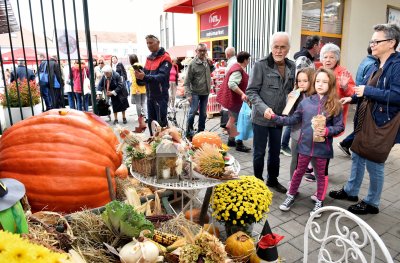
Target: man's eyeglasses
[
  {"x": 376, "y": 42},
  {"x": 202, "y": 50},
  {"x": 101, "y": 62},
  {"x": 279, "y": 47}
]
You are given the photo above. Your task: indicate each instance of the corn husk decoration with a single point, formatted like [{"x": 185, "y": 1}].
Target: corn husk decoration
[{"x": 209, "y": 161}]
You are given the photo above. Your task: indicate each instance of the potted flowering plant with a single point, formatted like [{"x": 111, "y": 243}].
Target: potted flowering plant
[
  {"x": 240, "y": 203},
  {"x": 29, "y": 95}
]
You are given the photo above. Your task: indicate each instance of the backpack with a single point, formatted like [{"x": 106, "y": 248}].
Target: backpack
[{"x": 44, "y": 76}]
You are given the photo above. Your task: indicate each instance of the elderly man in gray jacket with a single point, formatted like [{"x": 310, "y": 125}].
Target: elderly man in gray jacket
[
  {"x": 197, "y": 88},
  {"x": 271, "y": 81}
]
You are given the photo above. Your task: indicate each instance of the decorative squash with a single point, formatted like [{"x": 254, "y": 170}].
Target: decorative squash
[
  {"x": 213, "y": 230},
  {"x": 195, "y": 214},
  {"x": 61, "y": 156},
  {"x": 239, "y": 246},
  {"x": 206, "y": 137},
  {"x": 122, "y": 171},
  {"x": 254, "y": 258}
]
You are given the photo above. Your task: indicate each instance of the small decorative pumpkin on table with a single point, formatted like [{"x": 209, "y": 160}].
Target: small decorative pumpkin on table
[
  {"x": 239, "y": 246},
  {"x": 211, "y": 138}
]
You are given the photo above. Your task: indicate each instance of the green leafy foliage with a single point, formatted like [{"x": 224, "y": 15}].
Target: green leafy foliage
[
  {"x": 26, "y": 93},
  {"x": 123, "y": 219}
]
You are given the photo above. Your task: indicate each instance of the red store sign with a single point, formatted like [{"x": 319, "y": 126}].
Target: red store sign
[{"x": 214, "y": 23}]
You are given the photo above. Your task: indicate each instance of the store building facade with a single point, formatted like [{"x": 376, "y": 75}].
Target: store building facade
[
  {"x": 249, "y": 24},
  {"x": 223, "y": 23}
]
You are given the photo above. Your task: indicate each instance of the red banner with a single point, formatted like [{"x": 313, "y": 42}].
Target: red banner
[{"x": 215, "y": 18}]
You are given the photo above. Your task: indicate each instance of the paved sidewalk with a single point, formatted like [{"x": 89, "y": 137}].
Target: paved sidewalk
[{"x": 291, "y": 224}]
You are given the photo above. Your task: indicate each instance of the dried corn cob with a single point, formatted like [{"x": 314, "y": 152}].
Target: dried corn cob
[{"x": 164, "y": 238}]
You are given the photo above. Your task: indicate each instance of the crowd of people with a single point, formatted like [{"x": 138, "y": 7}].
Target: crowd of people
[{"x": 319, "y": 112}]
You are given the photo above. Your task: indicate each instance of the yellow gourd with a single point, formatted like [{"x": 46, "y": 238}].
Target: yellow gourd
[
  {"x": 254, "y": 258},
  {"x": 239, "y": 246}
]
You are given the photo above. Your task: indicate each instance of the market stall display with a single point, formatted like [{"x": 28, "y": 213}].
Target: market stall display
[{"x": 134, "y": 227}]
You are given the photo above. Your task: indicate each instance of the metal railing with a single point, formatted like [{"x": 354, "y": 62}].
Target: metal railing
[{"x": 25, "y": 24}]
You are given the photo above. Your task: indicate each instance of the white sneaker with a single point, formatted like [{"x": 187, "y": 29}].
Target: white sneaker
[
  {"x": 285, "y": 206},
  {"x": 318, "y": 204}
]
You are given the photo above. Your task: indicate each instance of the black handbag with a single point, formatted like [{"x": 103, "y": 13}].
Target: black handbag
[{"x": 103, "y": 107}]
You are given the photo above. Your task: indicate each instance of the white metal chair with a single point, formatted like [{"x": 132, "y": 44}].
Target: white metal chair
[{"x": 347, "y": 233}]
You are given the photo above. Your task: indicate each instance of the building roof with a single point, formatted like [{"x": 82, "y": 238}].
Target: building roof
[
  {"x": 3, "y": 18},
  {"x": 102, "y": 37},
  {"x": 28, "y": 40},
  {"x": 109, "y": 37}
]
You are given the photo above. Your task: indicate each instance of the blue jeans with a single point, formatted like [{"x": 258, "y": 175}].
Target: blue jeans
[
  {"x": 286, "y": 137},
  {"x": 71, "y": 100},
  {"x": 86, "y": 100},
  {"x": 45, "y": 92},
  {"x": 157, "y": 110},
  {"x": 262, "y": 136},
  {"x": 376, "y": 179},
  {"x": 198, "y": 102},
  {"x": 78, "y": 97},
  {"x": 128, "y": 87}
]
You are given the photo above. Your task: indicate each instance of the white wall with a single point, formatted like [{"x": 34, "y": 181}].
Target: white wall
[
  {"x": 293, "y": 25},
  {"x": 185, "y": 29}
]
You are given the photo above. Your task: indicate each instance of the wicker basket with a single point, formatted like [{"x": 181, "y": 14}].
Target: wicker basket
[{"x": 145, "y": 166}]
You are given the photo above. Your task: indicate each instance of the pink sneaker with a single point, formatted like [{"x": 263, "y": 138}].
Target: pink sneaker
[{"x": 314, "y": 197}]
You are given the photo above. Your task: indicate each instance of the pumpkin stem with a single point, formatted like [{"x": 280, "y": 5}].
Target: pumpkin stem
[{"x": 242, "y": 238}]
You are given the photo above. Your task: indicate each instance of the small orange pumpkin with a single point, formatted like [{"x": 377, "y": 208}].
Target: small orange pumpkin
[
  {"x": 195, "y": 214},
  {"x": 122, "y": 171},
  {"x": 206, "y": 137},
  {"x": 61, "y": 157},
  {"x": 213, "y": 230},
  {"x": 239, "y": 246}
]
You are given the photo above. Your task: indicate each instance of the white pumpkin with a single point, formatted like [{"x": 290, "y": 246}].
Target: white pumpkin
[
  {"x": 139, "y": 252},
  {"x": 130, "y": 253}
]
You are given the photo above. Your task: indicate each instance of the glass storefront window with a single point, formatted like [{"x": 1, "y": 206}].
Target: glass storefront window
[
  {"x": 323, "y": 18},
  {"x": 218, "y": 49},
  {"x": 332, "y": 17},
  {"x": 311, "y": 15}
]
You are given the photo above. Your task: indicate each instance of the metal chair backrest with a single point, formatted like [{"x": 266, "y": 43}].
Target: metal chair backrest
[{"x": 342, "y": 237}]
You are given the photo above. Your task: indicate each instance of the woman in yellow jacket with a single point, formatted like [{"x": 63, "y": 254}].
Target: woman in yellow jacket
[{"x": 138, "y": 94}]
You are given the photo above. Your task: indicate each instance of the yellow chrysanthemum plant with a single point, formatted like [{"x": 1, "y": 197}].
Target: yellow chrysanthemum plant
[
  {"x": 14, "y": 248},
  {"x": 241, "y": 202}
]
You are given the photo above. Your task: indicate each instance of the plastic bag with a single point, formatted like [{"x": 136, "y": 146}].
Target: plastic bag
[{"x": 244, "y": 126}]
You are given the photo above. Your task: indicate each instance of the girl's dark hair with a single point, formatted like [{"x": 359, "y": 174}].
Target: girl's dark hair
[
  {"x": 133, "y": 59},
  {"x": 310, "y": 75},
  {"x": 242, "y": 56},
  {"x": 111, "y": 59}
]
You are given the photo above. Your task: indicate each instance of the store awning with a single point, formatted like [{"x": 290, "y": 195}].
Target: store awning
[
  {"x": 182, "y": 51},
  {"x": 179, "y": 6}
]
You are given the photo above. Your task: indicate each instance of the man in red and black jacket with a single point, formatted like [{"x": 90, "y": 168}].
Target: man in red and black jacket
[{"x": 156, "y": 76}]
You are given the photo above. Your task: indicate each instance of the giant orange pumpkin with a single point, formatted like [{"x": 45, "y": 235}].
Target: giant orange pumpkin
[
  {"x": 206, "y": 137},
  {"x": 60, "y": 156}
]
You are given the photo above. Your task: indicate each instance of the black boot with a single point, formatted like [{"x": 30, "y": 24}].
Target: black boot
[
  {"x": 240, "y": 147},
  {"x": 231, "y": 142}
]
